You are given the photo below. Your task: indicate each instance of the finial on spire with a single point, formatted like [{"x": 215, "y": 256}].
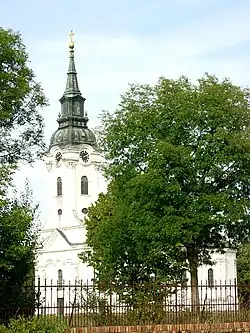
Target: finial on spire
[
  {"x": 72, "y": 88},
  {"x": 71, "y": 41}
]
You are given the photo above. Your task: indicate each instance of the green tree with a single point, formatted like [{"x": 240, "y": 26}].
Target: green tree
[
  {"x": 243, "y": 273},
  {"x": 122, "y": 252},
  {"x": 179, "y": 156},
  {"x": 129, "y": 260},
  {"x": 18, "y": 244},
  {"x": 21, "y": 98},
  {"x": 21, "y": 140}
]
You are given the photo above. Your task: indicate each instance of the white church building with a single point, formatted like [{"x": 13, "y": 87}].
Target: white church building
[{"x": 72, "y": 160}]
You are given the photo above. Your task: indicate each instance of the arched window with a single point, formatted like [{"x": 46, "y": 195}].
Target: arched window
[
  {"x": 60, "y": 295},
  {"x": 84, "y": 185},
  {"x": 210, "y": 277},
  {"x": 59, "y": 186},
  {"x": 60, "y": 279}
]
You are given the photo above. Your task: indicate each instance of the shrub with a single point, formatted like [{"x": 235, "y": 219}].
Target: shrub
[
  {"x": 4, "y": 329},
  {"x": 48, "y": 324}
]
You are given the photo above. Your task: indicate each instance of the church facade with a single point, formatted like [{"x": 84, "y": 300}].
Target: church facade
[{"x": 72, "y": 162}]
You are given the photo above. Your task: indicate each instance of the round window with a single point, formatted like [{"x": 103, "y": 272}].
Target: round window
[{"x": 84, "y": 210}]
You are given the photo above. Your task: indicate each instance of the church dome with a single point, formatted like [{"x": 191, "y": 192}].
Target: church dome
[{"x": 72, "y": 136}]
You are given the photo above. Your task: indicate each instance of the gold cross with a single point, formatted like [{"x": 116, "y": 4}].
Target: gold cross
[{"x": 71, "y": 36}]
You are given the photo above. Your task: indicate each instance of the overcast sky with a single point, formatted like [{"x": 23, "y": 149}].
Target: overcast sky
[{"x": 122, "y": 41}]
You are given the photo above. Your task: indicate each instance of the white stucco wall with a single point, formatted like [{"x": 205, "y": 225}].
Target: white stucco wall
[
  {"x": 224, "y": 269},
  {"x": 71, "y": 169},
  {"x": 64, "y": 236}
]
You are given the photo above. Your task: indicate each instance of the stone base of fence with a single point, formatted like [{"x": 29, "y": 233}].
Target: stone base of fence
[{"x": 181, "y": 328}]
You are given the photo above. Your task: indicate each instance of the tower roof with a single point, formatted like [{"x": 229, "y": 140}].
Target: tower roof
[
  {"x": 72, "y": 129},
  {"x": 72, "y": 88}
]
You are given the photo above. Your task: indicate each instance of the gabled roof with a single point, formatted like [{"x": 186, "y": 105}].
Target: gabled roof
[
  {"x": 66, "y": 239},
  {"x": 51, "y": 241}
]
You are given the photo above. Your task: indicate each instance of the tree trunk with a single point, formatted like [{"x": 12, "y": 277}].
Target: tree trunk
[{"x": 192, "y": 257}]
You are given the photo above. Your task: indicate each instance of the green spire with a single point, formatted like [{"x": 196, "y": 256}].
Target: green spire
[
  {"x": 72, "y": 88},
  {"x": 72, "y": 101}
]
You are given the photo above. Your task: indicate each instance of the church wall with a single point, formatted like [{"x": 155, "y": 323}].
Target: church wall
[
  {"x": 68, "y": 262},
  {"x": 224, "y": 269},
  {"x": 70, "y": 169}
]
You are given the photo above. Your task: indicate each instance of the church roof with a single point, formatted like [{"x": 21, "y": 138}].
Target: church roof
[
  {"x": 67, "y": 240},
  {"x": 51, "y": 239},
  {"x": 72, "y": 129}
]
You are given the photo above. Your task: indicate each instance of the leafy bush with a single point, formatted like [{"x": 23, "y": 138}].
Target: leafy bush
[
  {"x": 48, "y": 324},
  {"x": 4, "y": 329}
]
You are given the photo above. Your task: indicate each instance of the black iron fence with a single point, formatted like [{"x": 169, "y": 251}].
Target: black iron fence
[{"x": 89, "y": 305}]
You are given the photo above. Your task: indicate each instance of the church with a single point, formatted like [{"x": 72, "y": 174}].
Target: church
[{"x": 72, "y": 163}]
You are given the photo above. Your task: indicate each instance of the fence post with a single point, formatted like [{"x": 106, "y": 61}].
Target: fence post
[
  {"x": 235, "y": 297},
  {"x": 176, "y": 303},
  {"x": 38, "y": 296},
  {"x": 110, "y": 304},
  {"x": 87, "y": 303},
  {"x": 45, "y": 297}
]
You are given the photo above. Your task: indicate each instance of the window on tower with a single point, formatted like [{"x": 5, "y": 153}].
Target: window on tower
[
  {"x": 59, "y": 186},
  {"x": 84, "y": 185}
]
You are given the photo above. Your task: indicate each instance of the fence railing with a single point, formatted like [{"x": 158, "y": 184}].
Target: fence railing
[{"x": 89, "y": 305}]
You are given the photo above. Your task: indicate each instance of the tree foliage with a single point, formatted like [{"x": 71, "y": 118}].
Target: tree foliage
[
  {"x": 124, "y": 252},
  {"x": 17, "y": 237},
  {"x": 18, "y": 244},
  {"x": 21, "y": 98},
  {"x": 21, "y": 140},
  {"x": 243, "y": 274},
  {"x": 178, "y": 159},
  {"x": 243, "y": 264}
]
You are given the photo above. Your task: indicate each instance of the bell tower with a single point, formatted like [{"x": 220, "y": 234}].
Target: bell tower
[
  {"x": 72, "y": 156},
  {"x": 74, "y": 183}
]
